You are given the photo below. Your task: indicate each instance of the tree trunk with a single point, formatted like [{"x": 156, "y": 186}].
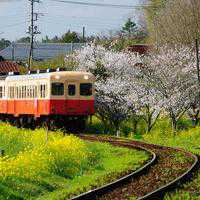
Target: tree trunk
[
  {"x": 116, "y": 124},
  {"x": 147, "y": 119},
  {"x": 148, "y": 129},
  {"x": 118, "y": 133},
  {"x": 148, "y": 122},
  {"x": 135, "y": 123},
  {"x": 196, "y": 119},
  {"x": 174, "y": 123}
]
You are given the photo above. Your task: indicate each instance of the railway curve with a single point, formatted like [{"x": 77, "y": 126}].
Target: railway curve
[{"x": 162, "y": 173}]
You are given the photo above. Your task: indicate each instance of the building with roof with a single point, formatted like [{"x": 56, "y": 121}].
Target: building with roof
[
  {"x": 42, "y": 51},
  {"x": 140, "y": 48},
  {"x": 8, "y": 66}
]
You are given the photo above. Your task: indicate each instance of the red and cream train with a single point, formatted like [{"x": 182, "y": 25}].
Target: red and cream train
[{"x": 60, "y": 97}]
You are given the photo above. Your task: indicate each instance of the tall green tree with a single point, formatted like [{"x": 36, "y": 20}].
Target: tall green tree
[
  {"x": 130, "y": 27},
  {"x": 67, "y": 37},
  {"x": 4, "y": 43},
  {"x": 24, "y": 40},
  {"x": 70, "y": 37},
  {"x": 46, "y": 39}
]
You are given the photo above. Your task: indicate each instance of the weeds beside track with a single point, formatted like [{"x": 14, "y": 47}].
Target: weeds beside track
[{"x": 169, "y": 168}]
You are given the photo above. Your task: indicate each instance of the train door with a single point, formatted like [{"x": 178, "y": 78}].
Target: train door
[{"x": 72, "y": 98}]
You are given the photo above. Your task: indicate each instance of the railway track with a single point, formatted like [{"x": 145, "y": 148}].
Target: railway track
[{"x": 167, "y": 169}]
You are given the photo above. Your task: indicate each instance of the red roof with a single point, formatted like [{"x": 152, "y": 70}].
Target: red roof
[
  {"x": 9, "y": 66},
  {"x": 139, "y": 48}
]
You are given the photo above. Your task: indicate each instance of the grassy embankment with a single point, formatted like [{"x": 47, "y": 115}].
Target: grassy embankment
[
  {"x": 64, "y": 167},
  {"x": 186, "y": 137}
]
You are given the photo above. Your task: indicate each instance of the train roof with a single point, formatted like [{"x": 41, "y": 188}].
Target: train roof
[
  {"x": 2, "y": 78},
  {"x": 71, "y": 75}
]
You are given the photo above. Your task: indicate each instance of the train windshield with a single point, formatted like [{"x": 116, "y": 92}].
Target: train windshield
[
  {"x": 86, "y": 89},
  {"x": 57, "y": 89},
  {"x": 71, "y": 90}
]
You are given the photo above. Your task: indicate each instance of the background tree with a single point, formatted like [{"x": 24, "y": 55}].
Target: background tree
[
  {"x": 171, "y": 73},
  {"x": 174, "y": 22},
  {"x": 177, "y": 23},
  {"x": 4, "y": 43},
  {"x": 67, "y": 37},
  {"x": 130, "y": 28},
  {"x": 23, "y": 40},
  {"x": 70, "y": 37},
  {"x": 46, "y": 39},
  {"x": 55, "y": 39},
  {"x": 162, "y": 80},
  {"x": 151, "y": 12},
  {"x": 114, "y": 99}
]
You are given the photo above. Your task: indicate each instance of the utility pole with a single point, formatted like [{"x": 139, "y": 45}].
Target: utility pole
[
  {"x": 13, "y": 51},
  {"x": 84, "y": 34},
  {"x": 32, "y": 31}
]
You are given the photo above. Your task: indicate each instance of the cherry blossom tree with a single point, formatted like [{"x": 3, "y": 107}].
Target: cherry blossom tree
[
  {"x": 121, "y": 91},
  {"x": 114, "y": 102},
  {"x": 151, "y": 104},
  {"x": 128, "y": 85},
  {"x": 105, "y": 63},
  {"x": 114, "y": 72},
  {"x": 171, "y": 73}
]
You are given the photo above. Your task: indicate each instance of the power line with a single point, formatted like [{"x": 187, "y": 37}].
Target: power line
[
  {"x": 87, "y": 22},
  {"x": 13, "y": 25},
  {"x": 62, "y": 16},
  {"x": 79, "y": 25},
  {"x": 8, "y": 1},
  {"x": 119, "y": 6}
]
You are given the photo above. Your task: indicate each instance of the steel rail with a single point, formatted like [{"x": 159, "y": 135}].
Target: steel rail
[
  {"x": 159, "y": 193},
  {"x": 156, "y": 194},
  {"x": 92, "y": 194}
]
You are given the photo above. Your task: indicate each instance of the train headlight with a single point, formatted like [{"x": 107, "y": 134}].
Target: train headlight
[
  {"x": 57, "y": 77},
  {"x": 86, "y": 77}
]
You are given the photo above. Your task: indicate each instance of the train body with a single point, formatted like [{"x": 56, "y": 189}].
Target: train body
[{"x": 59, "y": 97}]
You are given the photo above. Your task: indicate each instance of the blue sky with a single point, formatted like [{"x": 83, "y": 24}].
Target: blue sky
[{"x": 59, "y": 17}]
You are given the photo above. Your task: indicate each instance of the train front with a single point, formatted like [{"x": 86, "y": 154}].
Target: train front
[{"x": 72, "y": 95}]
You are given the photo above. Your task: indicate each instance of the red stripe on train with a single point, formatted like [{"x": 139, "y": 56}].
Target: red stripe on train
[{"x": 47, "y": 107}]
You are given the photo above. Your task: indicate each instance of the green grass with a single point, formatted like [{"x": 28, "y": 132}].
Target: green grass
[
  {"x": 186, "y": 137},
  {"x": 51, "y": 63},
  {"x": 64, "y": 167}
]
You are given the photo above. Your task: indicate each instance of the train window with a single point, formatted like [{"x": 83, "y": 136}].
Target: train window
[
  {"x": 8, "y": 92},
  {"x": 28, "y": 91},
  {"x": 86, "y": 89},
  {"x": 4, "y": 91},
  {"x": 1, "y": 92},
  {"x": 11, "y": 92},
  {"x": 20, "y": 92},
  {"x": 35, "y": 91},
  {"x": 43, "y": 91},
  {"x": 71, "y": 90},
  {"x": 31, "y": 91},
  {"x": 23, "y": 91},
  {"x": 17, "y": 92},
  {"x": 57, "y": 89}
]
